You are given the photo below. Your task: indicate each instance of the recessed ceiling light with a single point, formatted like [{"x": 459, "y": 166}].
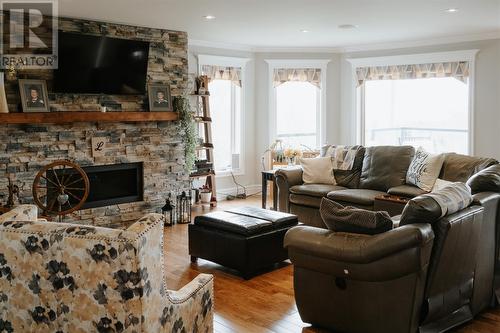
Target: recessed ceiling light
[
  {"x": 304, "y": 30},
  {"x": 209, "y": 17},
  {"x": 347, "y": 26},
  {"x": 451, "y": 10}
]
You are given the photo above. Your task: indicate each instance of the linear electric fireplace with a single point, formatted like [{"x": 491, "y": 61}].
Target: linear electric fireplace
[
  {"x": 114, "y": 184},
  {"x": 109, "y": 184}
]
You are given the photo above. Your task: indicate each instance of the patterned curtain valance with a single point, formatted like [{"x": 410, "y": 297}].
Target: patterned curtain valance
[
  {"x": 311, "y": 75},
  {"x": 232, "y": 74},
  {"x": 458, "y": 70}
]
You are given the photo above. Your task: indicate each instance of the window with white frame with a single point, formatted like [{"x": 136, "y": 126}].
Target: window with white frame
[
  {"x": 298, "y": 114},
  {"x": 297, "y": 102},
  {"x": 226, "y": 107},
  {"x": 424, "y": 105},
  {"x": 431, "y": 113}
]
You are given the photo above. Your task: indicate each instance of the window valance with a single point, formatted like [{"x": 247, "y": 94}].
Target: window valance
[
  {"x": 458, "y": 70},
  {"x": 232, "y": 74},
  {"x": 311, "y": 75}
]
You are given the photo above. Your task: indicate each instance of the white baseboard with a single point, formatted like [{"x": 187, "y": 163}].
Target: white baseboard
[{"x": 222, "y": 193}]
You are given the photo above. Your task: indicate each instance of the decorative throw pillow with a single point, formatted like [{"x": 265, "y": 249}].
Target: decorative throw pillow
[
  {"x": 440, "y": 184},
  {"x": 430, "y": 207},
  {"x": 347, "y": 178},
  {"x": 424, "y": 169},
  {"x": 354, "y": 220},
  {"x": 318, "y": 170}
]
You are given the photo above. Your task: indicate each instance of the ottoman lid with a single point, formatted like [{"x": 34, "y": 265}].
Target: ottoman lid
[
  {"x": 278, "y": 219},
  {"x": 239, "y": 224}
]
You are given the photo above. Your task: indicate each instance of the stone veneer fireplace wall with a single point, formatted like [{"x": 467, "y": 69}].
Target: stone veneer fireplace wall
[{"x": 24, "y": 149}]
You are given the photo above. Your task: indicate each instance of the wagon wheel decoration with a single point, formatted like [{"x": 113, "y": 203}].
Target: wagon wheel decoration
[{"x": 60, "y": 188}]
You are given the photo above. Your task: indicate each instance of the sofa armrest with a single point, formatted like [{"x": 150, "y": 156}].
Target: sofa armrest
[
  {"x": 195, "y": 300},
  {"x": 146, "y": 223},
  {"x": 25, "y": 213},
  {"x": 486, "y": 180},
  {"x": 383, "y": 257},
  {"x": 285, "y": 179},
  {"x": 357, "y": 248}
]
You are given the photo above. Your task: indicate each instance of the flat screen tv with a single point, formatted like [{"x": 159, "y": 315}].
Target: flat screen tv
[{"x": 100, "y": 65}]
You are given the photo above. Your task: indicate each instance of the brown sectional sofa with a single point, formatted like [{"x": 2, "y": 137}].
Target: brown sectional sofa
[
  {"x": 377, "y": 170},
  {"x": 440, "y": 275}
]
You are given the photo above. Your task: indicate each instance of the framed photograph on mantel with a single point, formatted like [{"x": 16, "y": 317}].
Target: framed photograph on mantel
[
  {"x": 159, "y": 97},
  {"x": 34, "y": 96}
]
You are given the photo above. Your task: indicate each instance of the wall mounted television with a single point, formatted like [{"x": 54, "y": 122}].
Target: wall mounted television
[{"x": 100, "y": 65}]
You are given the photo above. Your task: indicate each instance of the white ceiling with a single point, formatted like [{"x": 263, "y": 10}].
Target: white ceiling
[{"x": 278, "y": 23}]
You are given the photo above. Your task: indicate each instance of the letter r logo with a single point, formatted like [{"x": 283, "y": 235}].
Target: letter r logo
[{"x": 28, "y": 27}]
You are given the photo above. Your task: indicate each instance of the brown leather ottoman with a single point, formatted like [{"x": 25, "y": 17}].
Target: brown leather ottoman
[{"x": 247, "y": 239}]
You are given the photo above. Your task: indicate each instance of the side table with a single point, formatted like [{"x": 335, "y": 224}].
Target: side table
[{"x": 269, "y": 176}]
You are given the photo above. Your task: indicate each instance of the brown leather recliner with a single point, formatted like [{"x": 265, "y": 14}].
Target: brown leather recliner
[{"x": 414, "y": 277}]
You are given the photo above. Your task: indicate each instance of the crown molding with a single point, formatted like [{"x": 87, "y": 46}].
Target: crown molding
[
  {"x": 220, "y": 45},
  {"x": 349, "y": 48},
  {"x": 302, "y": 49},
  {"x": 298, "y": 63},
  {"x": 420, "y": 43}
]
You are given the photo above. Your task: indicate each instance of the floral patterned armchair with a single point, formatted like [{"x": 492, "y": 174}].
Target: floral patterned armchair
[{"x": 72, "y": 278}]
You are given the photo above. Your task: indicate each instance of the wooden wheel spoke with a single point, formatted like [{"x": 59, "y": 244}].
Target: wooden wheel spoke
[
  {"x": 57, "y": 177},
  {"x": 63, "y": 174},
  {"x": 74, "y": 196},
  {"x": 74, "y": 182},
  {"x": 50, "y": 180},
  {"x": 75, "y": 188}
]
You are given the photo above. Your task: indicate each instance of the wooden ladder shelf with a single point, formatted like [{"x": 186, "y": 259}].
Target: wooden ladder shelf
[{"x": 205, "y": 120}]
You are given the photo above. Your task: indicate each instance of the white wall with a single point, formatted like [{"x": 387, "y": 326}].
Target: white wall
[
  {"x": 225, "y": 185},
  {"x": 487, "y": 92},
  {"x": 340, "y": 104}
]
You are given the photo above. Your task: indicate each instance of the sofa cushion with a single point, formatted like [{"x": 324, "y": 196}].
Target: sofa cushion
[
  {"x": 305, "y": 200},
  {"x": 348, "y": 178},
  {"x": 424, "y": 169},
  {"x": 356, "y": 196},
  {"x": 487, "y": 180},
  {"x": 407, "y": 191},
  {"x": 459, "y": 168},
  {"x": 354, "y": 220},
  {"x": 385, "y": 167},
  {"x": 317, "y": 170},
  {"x": 315, "y": 190},
  {"x": 430, "y": 207}
]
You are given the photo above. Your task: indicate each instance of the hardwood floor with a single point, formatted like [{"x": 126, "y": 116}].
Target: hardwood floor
[{"x": 264, "y": 303}]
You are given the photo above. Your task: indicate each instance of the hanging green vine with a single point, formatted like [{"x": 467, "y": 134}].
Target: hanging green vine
[{"x": 181, "y": 105}]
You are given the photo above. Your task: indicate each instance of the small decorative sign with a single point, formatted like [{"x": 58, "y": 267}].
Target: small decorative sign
[{"x": 98, "y": 146}]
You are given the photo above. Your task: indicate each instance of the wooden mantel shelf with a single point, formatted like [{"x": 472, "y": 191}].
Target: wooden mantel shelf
[{"x": 78, "y": 116}]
